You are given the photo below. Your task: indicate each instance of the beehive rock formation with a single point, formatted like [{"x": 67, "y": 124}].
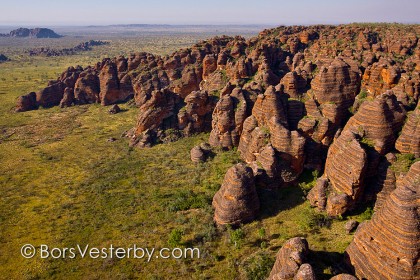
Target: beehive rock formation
[
  {"x": 228, "y": 117},
  {"x": 388, "y": 246},
  {"x": 237, "y": 201},
  {"x": 356, "y": 153},
  {"x": 195, "y": 116},
  {"x": 200, "y": 153},
  {"x": 409, "y": 140},
  {"x": 268, "y": 124},
  {"x": 290, "y": 259},
  {"x": 379, "y": 121},
  {"x": 335, "y": 88}
]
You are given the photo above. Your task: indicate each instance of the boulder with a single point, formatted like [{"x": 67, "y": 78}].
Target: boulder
[
  {"x": 51, "y": 95},
  {"x": 290, "y": 258},
  {"x": 200, "y": 153},
  {"x": 26, "y": 102},
  {"x": 305, "y": 272},
  {"x": 351, "y": 226},
  {"x": 115, "y": 109},
  {"x": 68, "y": 98}
]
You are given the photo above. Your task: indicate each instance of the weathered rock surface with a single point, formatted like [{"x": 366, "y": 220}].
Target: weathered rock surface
[
  {"x": 195, "y": 116},
  {"x": 86, "y": 89},
  {"x": 354, "y": 157},
  {"x": 68, "y": 98},
  {"x": 51, "y": 95},
  {"x": 228, "y": 117},
  {"x": 344, "y": 276},
  {"x": 236, "y": 202},
  {"x": 409, "y": 140},
  {"x": 201, "y": 153},
  {"x": 388, "y": 246},
  {"x": 26, "y": 102},
  {"x": 289, "y": 260},
  {"x": 350, "y": 226},
  {"x": 268, "y": 125},
  {"x": 378, "y": 121},
  {"x": 344, "y": 174}
]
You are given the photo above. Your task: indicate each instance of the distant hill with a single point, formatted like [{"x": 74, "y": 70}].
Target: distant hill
[
  {"x": 32, "y": 33},
  {"x": 86, "y": 46}
]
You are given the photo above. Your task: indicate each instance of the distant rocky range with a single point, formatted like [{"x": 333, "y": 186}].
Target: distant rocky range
[
  {"x": 343, "y": 100},
  {"x": 32, "y": 33},
  {"x": 86, "y": 46}
]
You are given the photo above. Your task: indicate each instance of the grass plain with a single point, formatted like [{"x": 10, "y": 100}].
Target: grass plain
[{"x": 63, "y": 183}]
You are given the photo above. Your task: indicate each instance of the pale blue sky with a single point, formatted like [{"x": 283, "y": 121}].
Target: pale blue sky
[{"x": 103, "y": 12}]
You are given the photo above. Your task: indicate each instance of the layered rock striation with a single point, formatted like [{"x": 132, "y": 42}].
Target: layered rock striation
[{"x": 388, "y": 246}]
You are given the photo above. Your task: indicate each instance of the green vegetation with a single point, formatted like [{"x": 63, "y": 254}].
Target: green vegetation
[
  {"x": 367, "y": 214},
  {"x": 236, "y": 237},
  {"x": 368, "y": 142},
  {"x": 175, "y": 237},
  {"x": 403, "y": 163},
  {"x": 308, "y": 180},
  {"x": 363, "y": 94},
  {"x": 259, "y": 266}
]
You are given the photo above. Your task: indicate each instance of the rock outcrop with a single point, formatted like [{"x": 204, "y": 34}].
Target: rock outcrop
[
  {"x": 290, "y": 260},
  {"x": 82, "y": 47},
  {"x": 200, "y": 153},
  {"x": 409, "y": 140},
  {"x": 27, "y": 102},
  {"x": 34, "y": 33},
  {"x": 355, "y": 155},
  {"x": 388, "y": 246},
  {"x": 284, "y": 157},
  {"x": 228, "y": 117},
  {"x": 236, "y": 202}
]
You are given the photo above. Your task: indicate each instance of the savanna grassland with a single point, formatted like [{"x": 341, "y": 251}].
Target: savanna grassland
[{"x": 63, "y": 183}]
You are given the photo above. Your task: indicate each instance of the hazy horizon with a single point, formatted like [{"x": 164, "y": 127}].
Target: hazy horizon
[{"x": 187, "y": 12}]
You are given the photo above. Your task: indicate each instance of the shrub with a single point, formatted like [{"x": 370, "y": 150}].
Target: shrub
[
  {"x": 363, "y": 94},
  {"x": 403, "y": 163},
  {"x": 236, "y": 237},
  {"x": 175, "y": 238},
  {"x": 185, "y": 200},
  {"x": 311, "y": 220},
  {"x": 259, "y": 267},
  {"x": 367, "y": 215},
  {"x": 367, "y": 142}
]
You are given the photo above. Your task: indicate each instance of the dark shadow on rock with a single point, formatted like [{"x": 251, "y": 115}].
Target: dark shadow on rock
[{"x": 326, "y": 263}]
